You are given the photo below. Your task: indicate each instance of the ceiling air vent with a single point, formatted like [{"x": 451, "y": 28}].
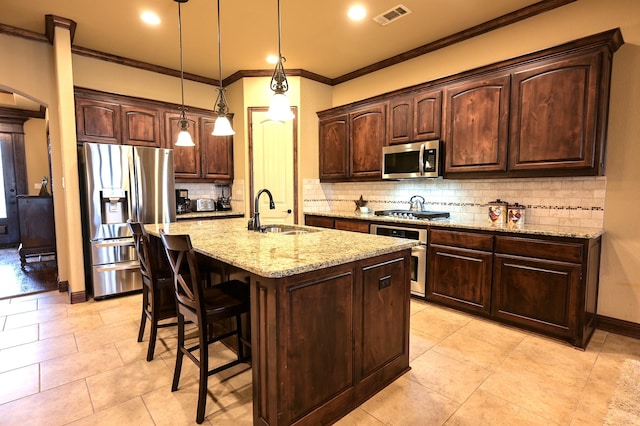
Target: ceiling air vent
[{"x": 392, "y": 14}]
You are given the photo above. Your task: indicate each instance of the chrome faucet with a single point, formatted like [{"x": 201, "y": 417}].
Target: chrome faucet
[{"x": 256, "y": 208}]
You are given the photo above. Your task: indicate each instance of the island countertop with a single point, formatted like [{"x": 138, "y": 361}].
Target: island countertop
[{"x": 271, "y": 255}]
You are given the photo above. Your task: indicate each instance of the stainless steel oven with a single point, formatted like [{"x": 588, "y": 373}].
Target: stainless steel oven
[{"x": 418, "y": 253}]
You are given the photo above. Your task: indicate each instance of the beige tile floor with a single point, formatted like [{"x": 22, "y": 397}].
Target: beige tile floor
[{"x": 80, "y": 364}]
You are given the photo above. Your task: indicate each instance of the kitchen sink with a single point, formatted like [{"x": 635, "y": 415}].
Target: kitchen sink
[{"x": 286, "y": 229}]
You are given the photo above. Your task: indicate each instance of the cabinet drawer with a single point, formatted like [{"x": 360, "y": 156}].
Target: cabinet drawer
[
  {"x": 461, "y": 239},
  {"x": 320, "y": 221},
  {"x": 555, "y": 250},
  {"x": 352, "y": 225}
]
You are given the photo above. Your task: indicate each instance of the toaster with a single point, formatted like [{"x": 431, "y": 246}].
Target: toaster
[{"x": 205, "y": 205}]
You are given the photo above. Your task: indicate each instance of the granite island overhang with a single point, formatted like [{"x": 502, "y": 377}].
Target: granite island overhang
[{"x": 329, "y": 314}]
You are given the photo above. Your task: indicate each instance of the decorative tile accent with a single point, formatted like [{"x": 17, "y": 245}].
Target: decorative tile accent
[{"x": 570, "y": 201}]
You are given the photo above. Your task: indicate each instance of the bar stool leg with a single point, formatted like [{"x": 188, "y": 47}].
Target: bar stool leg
[
  {"x": 179, "y": 353},
  {"x": 204, "y": 375}
]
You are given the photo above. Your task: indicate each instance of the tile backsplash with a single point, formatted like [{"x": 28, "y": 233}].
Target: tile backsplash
[
  {"x": 210, "y": 190},
  {"x": 575, "y": 201}
]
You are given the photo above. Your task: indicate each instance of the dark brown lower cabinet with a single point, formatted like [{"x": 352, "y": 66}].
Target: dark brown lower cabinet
[
  {"x": 548, "y": 285},
  {"x": 459, "y": 272},
  {"x": 325, "y": 341}
]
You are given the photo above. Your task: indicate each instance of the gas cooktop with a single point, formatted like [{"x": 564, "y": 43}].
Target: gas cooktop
[{"x": 413, "y": 214}]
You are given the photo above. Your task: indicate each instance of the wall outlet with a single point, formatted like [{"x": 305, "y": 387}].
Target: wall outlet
[{"x": 37, "y": 186}]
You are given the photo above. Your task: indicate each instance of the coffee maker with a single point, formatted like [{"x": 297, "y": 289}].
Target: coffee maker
[{"x": 183, "y": 203}]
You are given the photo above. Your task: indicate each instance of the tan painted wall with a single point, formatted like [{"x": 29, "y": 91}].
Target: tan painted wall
[
  {"x": 31, "y": 75},
  {"x": 35, "y": 141},
  {"x": 620, "y": 264}
]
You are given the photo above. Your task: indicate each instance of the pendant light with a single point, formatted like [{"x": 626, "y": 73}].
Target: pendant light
[
  {"x": 279, "y": 108},
  {"x": 222, "y": 125},
  {"x": 184, "y": 137}
]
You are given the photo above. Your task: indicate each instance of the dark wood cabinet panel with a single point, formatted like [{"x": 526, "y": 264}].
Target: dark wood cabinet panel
[
  {"x": 319, "y": 221},
  {"x": 334, "y": 145},
  {"x": 186, "y": 159},
  {"x": 98, "y": 121},
  {"x": 367, "y": 130},
  {"x": 536, "y": 293},
  {"x": 384, "y": 310},
  {"x": 427, "y": 115},
  {"x": 217, "y": 153},
  {"x": 352, "y": 225},
  {"x": 415, "y": 117},
  {"x": 458, "y": 274},
  {"x": 477, "y": 125},
  {"x": 313, "y": 383},
  {"x": 400, "y": 120},
  {"x": 553, "y": 115},
  {"x": 141, "y": 126}
]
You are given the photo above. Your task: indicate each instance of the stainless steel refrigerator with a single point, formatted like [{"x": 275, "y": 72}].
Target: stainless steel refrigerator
[{"x": 121, "y": 183}]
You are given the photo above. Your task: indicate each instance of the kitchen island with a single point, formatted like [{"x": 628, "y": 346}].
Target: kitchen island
[{"x": 329, "y": 314}]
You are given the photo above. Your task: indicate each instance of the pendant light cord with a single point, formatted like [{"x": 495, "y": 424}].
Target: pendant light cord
[
  {"x": 181, "y": 62},
  {"x": 279, "y": 50},
  {"x": 219, "y": 48}
]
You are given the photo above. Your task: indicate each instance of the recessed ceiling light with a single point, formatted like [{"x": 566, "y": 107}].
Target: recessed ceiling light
[
  {"x": 272, "y": 59},
  {"x": 357, "y": 12},
  {"x": 150, "y": 18}
]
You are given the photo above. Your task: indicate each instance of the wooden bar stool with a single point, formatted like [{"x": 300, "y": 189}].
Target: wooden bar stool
[
  {"x": 203, "y": 306},
  {"x": 158, "y": 296}
]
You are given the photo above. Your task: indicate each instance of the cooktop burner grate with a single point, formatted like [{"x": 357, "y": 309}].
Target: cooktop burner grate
[{"x": 412, "y": 214}]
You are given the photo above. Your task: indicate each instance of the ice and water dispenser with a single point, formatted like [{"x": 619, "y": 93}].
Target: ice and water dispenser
[{"x": 114, "y": 206}]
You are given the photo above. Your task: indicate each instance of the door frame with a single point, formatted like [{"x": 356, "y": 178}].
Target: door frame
[{"x": 250, "y": 111}]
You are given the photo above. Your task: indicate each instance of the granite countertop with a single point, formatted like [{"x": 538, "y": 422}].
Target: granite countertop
[
  {"x": 548, "y": 230},
  {"x": 271, "y": 255},
  {"x": 210, "y": 215}
]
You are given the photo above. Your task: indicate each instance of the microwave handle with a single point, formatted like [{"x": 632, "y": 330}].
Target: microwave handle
[{"x": 422, "y": 160}]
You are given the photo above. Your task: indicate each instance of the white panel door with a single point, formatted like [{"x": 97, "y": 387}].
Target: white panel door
[{"x": 273, "y": 167}]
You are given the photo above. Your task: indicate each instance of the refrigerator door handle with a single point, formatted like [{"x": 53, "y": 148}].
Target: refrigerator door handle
[
  {"x": 118, "y": 267},
  {"x": 115, "y": 243}
]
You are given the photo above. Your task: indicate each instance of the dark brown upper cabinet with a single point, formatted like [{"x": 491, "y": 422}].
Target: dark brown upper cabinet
[
  {"x": 110, "y": 118},
  {"x": 477, "y": 125},
  {"x": 367, "y": 128},
  {"x": 415, "y": 117},
  {"x": 216, "y": 152},
  {"x": 351, "y": 143},
  {"x": 554, "y": 113},
  {"x": 98, "y": 121},
  {"x": 141, "y": 126},
  {"x": 334, "y": 147},
  {"x": 541, "y": 114},
  {"x": 186, "y": 159}
]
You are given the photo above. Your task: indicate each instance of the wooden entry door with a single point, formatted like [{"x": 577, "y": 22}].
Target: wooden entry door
[
  {"x": 272, "y": 147},
  {"x": 9, "y": 226}
]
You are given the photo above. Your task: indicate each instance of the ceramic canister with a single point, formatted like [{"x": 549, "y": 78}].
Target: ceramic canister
[
  {"x": 515, "y": 216},
  {"x": 498, "y": 213}
]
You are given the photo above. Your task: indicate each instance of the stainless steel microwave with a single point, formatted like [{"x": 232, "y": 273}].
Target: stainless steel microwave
[{"x": 412, "y": 160}]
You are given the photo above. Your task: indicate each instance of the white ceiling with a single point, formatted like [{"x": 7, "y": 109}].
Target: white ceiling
[{"x": 316, "y": 35}]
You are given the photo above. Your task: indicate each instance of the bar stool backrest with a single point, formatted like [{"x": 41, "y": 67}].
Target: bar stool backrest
[{"x": 186, "y": 279}]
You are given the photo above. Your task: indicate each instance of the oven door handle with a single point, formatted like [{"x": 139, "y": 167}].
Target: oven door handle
[{"x": 422, "y": 160}]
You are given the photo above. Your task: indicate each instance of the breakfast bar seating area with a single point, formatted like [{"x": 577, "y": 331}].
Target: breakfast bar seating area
[{"x": 329, "y": 313}]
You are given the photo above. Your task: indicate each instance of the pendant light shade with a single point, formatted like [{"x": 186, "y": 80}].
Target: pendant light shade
[
  {"x": 184, "y": 137},
  {"x": 222, "y": 125},
  {"x": 279, "y": 108}
]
